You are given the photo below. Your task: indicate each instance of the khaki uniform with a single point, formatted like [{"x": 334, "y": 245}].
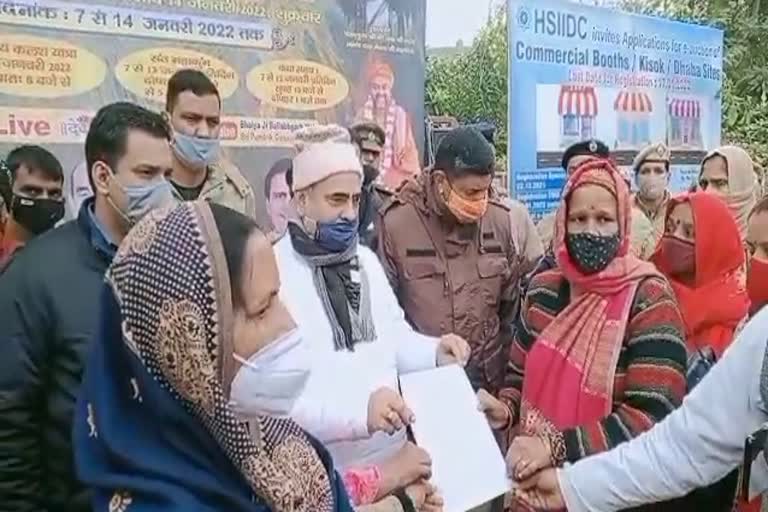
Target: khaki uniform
[
  {"x": 226, "y": 186},
  {"x": 459, "y": 279},
  {"x": 657, "y": 153},
  {"x": 658, "y": 218},
  {"x": 642, "y": 241},
  {"x": 524, "y": 235},
  {"x": 546, "y": 228}
]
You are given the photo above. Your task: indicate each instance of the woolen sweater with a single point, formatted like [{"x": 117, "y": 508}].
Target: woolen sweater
[
  {"x": 696, "y": 445},
  {"x": 650, "y": 377}
]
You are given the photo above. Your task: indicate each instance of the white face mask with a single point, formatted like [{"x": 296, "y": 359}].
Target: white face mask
[
  {"x": 270, "y": 382},
  {"x": 652, "y": 186}
]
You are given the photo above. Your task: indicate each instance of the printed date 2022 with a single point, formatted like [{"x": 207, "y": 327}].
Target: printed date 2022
[{"x": 216, "y": 30}]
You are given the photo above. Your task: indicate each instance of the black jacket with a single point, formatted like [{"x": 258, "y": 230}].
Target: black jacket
[
  {"x": 371, "y": 201},
  {"x": 49, "y": 304}
]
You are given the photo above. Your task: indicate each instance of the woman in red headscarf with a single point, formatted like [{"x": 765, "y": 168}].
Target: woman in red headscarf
[
  {"x": 599, "y": 355},
  {"x": 702, "y": 256}
]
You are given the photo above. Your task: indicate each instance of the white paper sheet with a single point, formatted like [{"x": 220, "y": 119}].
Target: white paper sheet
[{"x": 467, "y": 465}]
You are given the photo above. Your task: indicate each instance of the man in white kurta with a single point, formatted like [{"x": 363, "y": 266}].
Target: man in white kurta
[{"x": 349, "y": 316}]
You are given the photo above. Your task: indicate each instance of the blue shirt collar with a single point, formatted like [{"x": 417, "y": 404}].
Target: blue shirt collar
[{"x": 98, "y": 234}]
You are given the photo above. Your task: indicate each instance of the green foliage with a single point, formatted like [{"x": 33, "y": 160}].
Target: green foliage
[
  {"x": 745, "y": 94},
  {"x": 473, "y": 85}
]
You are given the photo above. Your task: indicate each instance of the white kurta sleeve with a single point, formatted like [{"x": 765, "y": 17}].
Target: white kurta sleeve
[
  {"x": 333, "y": 408},
  {"x": 415, "y": 352},
  {"x": 695, "y": 446}
]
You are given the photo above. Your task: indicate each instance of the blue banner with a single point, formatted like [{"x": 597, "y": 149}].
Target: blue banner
[{"x": 580, "y": 72}]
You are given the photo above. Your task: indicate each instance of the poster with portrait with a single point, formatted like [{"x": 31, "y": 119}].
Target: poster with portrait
[{"x": 279, "y": 65}]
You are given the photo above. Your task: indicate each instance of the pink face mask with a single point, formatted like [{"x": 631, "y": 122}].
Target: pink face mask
[{"x": 679, "y": 257}]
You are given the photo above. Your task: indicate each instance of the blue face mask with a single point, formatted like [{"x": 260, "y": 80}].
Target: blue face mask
[
  {"x": 141, "y": 199},
  {"x": 195, "y": 151},
  {"x": 337, "y": 235}
]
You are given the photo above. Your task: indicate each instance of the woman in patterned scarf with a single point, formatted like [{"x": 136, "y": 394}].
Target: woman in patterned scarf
[
  {"x": 599, "y": 355},
  {"x": 197, "y": 363}
]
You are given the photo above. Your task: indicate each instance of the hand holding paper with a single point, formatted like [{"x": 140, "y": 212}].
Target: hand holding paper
[
  {"x": 387, "y": 412},
  {"x": 452, "y": 350},
  {"x": 467, "y": 465},
  {"x": 495, "y": 411}
]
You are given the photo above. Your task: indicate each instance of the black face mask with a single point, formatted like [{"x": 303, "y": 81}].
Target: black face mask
[
  {"x": 592, "y": 253},
  {"x": 37, "y": 215}
]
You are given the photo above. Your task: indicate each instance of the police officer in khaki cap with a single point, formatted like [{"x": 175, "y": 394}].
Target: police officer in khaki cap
[
  {"x": 369, "y": 138},
  {"x": 651, "y": 166}
]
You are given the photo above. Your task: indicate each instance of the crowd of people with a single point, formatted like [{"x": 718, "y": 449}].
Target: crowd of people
[{"x": 161, "y": 351}]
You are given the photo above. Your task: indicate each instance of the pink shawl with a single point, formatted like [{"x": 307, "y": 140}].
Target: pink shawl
[{"x": 569, "y": 372}]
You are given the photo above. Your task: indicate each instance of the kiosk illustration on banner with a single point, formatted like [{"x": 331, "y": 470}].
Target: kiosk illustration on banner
[
  {"x": 684, "y": 123},
  {"x": 577, "y": 108},
  {"x": 633, "y": 119}
]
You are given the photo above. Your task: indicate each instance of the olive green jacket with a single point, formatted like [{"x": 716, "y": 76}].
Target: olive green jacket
[{"x": 226, "y": 185}]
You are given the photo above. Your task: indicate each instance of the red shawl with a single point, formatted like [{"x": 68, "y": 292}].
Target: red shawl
[
  {"x": 569, "y": 371},
  {"x": 718, "y": 301}
]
